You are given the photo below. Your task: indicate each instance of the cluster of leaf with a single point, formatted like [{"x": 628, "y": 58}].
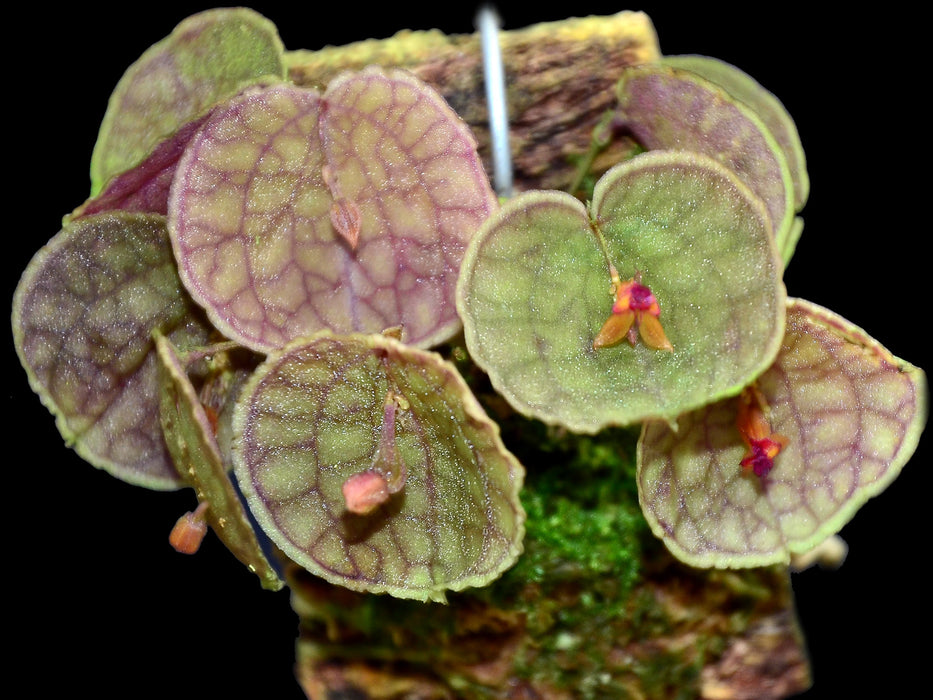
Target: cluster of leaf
[
  {"x": 246, "y": 305},
  {"x": 708, "y": 217}
]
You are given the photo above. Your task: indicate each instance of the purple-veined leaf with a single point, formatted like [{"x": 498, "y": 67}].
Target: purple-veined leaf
[
  {"x": 258, "y": 193},
  {"x": 320, "y": 413},
  {"x": 190, "y": 435},
  {"x": 774, "y": 116},
  {"x": 668, "y": 108},
  {"x": 535, "y": 287},
  {"x": 207, "y": 57},
  {"x": 249, "y": 216},
  {"x": 408, "y": 163},
  {"x": 744, "y": 88},
  {"x": 852, "y": 415},
  {"x": 83, "y": 317}
]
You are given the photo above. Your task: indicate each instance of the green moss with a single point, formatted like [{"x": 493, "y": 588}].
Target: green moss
[
  {"x": 565, "y": 537},
  {"x": 584, "y": 522},
  {"x": 671, "y": 674},
  {"x": 583, "y": 548}
]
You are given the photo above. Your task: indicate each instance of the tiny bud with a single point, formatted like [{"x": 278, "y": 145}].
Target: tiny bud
[
  {"x": 189, "y": 531},
  {"x": 344, "y": 214},
  {"x": 394, "y": 332},
  {"x": 346, "y": 220},
  {"x": 829, "y": 554},
  {"x": 365, "y": 491}
]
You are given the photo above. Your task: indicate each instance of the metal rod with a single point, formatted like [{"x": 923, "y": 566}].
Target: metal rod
[{"x": 487, "y": 22}]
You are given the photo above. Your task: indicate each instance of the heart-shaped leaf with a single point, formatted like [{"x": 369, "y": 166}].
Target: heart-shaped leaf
[
  {"x": 666, "y": 107},
  {"x": 291, "y": 213},
  {"x": 851, "y": 415},
  {"x": 207, "y": 57},
  {"x": 533, "y": 293},
  {"x": 190, "y": 435},
  {"x": 83, "y": 317},
  {"x": 322, "y": 420}
]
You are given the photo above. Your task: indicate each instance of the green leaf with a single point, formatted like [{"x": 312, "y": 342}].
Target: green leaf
[
  {"x": 319, "y": 413},
  {"x": 192, "y": 442},
  {"x": 534, "y": 292},
  {"x": 852, "y": 414},
  {"x": 207, "y": 57},
  {"x": 83, "y": 317},
  {"x": 664, "y": 107}
]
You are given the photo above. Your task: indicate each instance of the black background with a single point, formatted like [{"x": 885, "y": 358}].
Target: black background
[{"x": 99, "y": 601}]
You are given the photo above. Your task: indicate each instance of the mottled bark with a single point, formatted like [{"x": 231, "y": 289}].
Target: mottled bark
[
  {"x": 679, "y": 633},
  {"x": 559, "y": 80}
]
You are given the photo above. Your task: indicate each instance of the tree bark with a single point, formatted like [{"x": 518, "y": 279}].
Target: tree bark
[
  {"x": 560, "y": 79},
  {"x": 683, "y": 633}
]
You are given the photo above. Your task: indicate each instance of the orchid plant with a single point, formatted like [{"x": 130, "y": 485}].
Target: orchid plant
[{"x": 282, "y": 297}]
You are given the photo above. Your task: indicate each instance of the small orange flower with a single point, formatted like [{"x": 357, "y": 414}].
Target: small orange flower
[
  {"x": 635, "y": 312},
  {"x": 755, "y": 428},
  {"x": 189, "y": 531}
]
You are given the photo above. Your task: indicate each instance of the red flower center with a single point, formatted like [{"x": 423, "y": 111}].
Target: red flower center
[
  {"x": 761, "y": 454},
  {"x": 641, "y": 298}
]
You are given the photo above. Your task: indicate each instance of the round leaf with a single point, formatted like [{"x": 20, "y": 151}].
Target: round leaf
[
  {"x": 314, "y": 417},
  {"x": 534, "y": 292},
  {"x": 249, "y": 218},
  {"x": 83, "y": 316},
  {"x": 208, "y": 57},
  {"x": 852, "y": 415},
  {"x": 744, "y": 88}
]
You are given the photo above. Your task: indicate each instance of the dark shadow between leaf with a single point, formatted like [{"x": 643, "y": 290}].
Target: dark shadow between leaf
[{"x": 359, "y": 528}]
